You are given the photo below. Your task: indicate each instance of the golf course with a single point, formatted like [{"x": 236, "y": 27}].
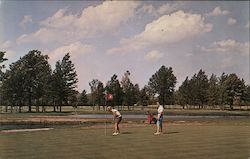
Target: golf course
[{"x": 213, "y": 138}]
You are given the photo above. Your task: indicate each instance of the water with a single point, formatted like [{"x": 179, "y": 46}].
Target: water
[
  {"x": 22, "y": 126},
  {"x": 141, "y": 116},
  {"x": 109, "y": 116}
]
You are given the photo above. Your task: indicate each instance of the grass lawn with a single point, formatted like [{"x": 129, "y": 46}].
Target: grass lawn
[{"x": 217, "y": 140}]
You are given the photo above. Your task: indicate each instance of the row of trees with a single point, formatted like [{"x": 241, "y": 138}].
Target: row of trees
[
  {"x": 125, "y": 93},
  {"x": 31, "y": 81},
  {"x": 203, "y": 91}
]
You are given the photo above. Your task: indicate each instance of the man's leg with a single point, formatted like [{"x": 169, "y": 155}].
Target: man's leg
[
  {"x": 118, "y": 122},
  {"x": 160, "y": 124},
  {"x": 158, "y": 128},
  {"x": 116, "y": 127}
]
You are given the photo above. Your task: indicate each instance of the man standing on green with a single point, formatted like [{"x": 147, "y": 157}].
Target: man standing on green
[{"x": 159, "y": 118}]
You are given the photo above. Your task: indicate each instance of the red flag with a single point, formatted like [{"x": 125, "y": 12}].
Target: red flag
[{"x": 109, "y": 96}]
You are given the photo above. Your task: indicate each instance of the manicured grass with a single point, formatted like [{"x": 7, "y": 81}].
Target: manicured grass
[{"x": 217, "y": 140}]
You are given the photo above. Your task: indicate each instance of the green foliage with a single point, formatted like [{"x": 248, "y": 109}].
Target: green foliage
[
  {"x": 97, "y": 92},
  {"x": 113, "y": 87},
  {"x": 2, "y": 59},
  {"x": 144, "y": 97},
  {"x": 100, "y": 100},
  {"x": 27, "y": 79},
  {"x": 69, "y": 75},
  {"x": 30, "y": 81},
  {"x": 64, "y": 80},
  {"x": 200, "y": 88},
  {"x": 130, "y": 90},
  {"x": 182, "y": 94},
  {"x": 246, "y": 95},
  {"x": 213, "y": 91},
  {"x": 57, "y": 85},
  {"x": 163, "y": 83},
  {"x": 228, "y": 89},
  {"x": 222, "y": 88},
  {"x": 83, "y": 98},
  {"x": 194, "y": 91},
  {"x": 234, "y": 89}
]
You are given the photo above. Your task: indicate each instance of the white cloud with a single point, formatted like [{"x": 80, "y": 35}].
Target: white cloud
[
  {"x": 93, "y": 21},
  {"x": 10, "y": 54},
  {"x": 6, "y": 45},
  {"x": 166, "y": 8},
  {"x": 227, "y": 46},
  {"x": 26, "y": 19},
  {"x": 107, "y": 16},
  {"x": 44, "y": 35},
  {"x": 153, "y": 55},
  {"x": 231, "y": 21},
  {"x": 169, "y": 8},
  {"x": 75, "y": 49},
  {"x": 59, "y": 20},
  {"x": 166, "y": 29},
  {"x": 174, "y": 27},
  {"x": 218, "y": 12}
]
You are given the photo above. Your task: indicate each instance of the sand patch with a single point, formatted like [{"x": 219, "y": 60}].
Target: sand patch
[{"x": 25, "y": 130}]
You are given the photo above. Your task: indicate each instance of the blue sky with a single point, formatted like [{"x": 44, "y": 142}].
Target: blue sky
[{"x": 110, "y": 37}]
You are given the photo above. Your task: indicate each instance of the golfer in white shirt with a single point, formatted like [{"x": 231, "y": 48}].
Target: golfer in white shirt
[
  {"x": 159, "y": 119},
  {"x": 117, "y": 119}
]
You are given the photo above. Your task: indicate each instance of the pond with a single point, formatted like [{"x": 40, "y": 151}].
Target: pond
[
  {"x": 22, "y": 126},
  {"x": 40, "y": 126},
  {"x": 140, "y": 116},
  {"x": 109, "y": 116}
]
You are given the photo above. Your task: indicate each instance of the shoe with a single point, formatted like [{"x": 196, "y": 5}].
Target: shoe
[
  {"x": 114, "y": 134},
  {"x": 157, "y": 133}
]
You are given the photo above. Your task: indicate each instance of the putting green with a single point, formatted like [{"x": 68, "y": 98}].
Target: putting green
[{"x": 228, "y": 140}]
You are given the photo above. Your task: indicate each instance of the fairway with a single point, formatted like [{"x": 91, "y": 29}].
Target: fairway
[{"x": 226, "y": 139}]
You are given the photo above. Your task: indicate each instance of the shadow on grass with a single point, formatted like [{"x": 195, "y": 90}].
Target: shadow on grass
[
  {"x": 126, "y": 133},
  {"x": 172, "y": 132}
]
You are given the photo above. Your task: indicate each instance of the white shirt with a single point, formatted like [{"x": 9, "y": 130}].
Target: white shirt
[
  {"x": 116, "y": 113},
  {"x": 160, "y": 109}
]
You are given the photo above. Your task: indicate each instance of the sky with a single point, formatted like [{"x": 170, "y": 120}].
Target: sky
[{"x": 110, "y": 37}]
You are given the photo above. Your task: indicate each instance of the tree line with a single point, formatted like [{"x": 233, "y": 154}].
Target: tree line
[{"x": 30, "y": 81}]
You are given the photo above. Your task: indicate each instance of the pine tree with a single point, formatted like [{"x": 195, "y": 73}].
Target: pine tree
[
  {"x": 83, "y": 98},
  {"x": 64, "y": 81},
  {"x": 114, "y": 87},
  {"x": 2, "y": 59},
  {"x": 213, "y": 91},
  {"x": 129, "y": 90},
  {"x": 182, "y": 95},
  {"x": 27, "y": 79},
  {"x": 144, "y": 97},
  {"x": 163, "y": 83},
  {"x": 234, "y": 87}
]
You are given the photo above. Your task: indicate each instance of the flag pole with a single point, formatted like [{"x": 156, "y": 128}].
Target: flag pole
[{"x": 105, "y": 117}]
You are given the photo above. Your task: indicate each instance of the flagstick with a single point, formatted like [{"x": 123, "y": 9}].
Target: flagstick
[
  {"x": 105, "y": 117},
  {"x": 105, "y": 124}
]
